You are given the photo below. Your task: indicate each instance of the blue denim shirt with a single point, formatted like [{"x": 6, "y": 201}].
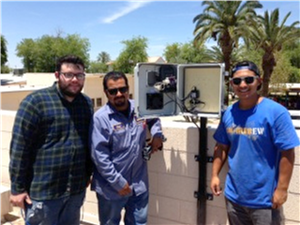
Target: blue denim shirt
[{"x": 116, "y": 150}]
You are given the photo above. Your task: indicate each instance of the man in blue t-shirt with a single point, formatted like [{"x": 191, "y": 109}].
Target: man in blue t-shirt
[{"x": 257, "y": 136}]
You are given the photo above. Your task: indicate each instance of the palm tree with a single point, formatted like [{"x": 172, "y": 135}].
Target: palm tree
[
  {"x": 226, "y": 22},
  {"x": 270, "y": 36},
  {"x": 217, "y": 55},
  {"x": 103, "y": 57}
]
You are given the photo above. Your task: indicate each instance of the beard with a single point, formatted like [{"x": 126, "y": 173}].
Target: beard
[
  {"x": 120, "y": 101},
  {"x": 70, "y": 90}
]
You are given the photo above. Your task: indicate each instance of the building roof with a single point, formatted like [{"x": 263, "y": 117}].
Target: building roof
[
  {"x": 156, "y": 59},
  {"x": 151, "y": 59}
]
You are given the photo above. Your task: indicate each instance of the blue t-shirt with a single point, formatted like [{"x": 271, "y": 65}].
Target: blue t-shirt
[{"x": 255, "y": 136}]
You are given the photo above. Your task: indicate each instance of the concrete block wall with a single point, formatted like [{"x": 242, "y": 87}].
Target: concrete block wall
[
  {"x": 173, "y": 175},
  {"x": 6, "y": 123},
  {"x": 11, "y": 96},
  {"x": 291, "y": 208},
  {"x": 5, "y": 208},
  {"x": 7, "y": 120}
]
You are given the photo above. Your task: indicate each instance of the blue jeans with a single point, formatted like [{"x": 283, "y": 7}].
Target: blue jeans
[
  {"x": 60, "y": 211},
  {"x": 136, "y": 210},
  {"x": 240, "y": 215}
]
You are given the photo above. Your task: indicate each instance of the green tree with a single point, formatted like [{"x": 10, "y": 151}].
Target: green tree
[
  {"x": 40, "y": 55},
  {"x": 45, "y": 54},
  {"x": 248, "y": 52},
  {"x": 76, "y": 45},
  {"x": 295, "y": 56},
  {"x": 97, "y": 67},
  {"x": 172, "y": 53},
  {"x": 216, "y": 55},
  {"x": 27, "y": 51},
  {"x": 292, "y": 52},
  {"x": 226, "y": 22},
  {"x": 186, "y": 53},
  {"x": 5, "y": 69},
  {"x": 270, "y": 36},
  {"x": 294, "y": 75},
  {"x": 282, "y": 70},
  {"x": 3, "y": 50},
  {"x": 134, "y": 52},
  {"x": 191, "y": 53},
  {"x": 103, "y": 57}
]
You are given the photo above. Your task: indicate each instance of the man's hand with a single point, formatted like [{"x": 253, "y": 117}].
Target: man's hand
[
  {"x": 19, "y": 199},
  {"x": 286, "y": 166},
  {"x": 215, "y": 186},
  {"x": 156, "y": 144},
  {"x": 126, "y": 190},
  {"x": 279, "y": 197}
]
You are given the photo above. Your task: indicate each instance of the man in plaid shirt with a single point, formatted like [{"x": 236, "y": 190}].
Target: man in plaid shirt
[{"x": 50, "y": 166}]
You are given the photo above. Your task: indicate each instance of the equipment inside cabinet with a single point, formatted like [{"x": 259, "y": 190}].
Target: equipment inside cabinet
[{"x": 165, "y": 89}]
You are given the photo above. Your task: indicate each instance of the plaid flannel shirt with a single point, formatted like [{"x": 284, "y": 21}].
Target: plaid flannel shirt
[{"x": 49, "y": 153}]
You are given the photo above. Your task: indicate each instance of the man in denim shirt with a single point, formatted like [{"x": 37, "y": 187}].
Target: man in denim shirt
[{"x": 117, "y": 139}]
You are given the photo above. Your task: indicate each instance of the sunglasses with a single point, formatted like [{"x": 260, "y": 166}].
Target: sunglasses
[
  {"x": 248, "y": 80},
  {"x": 114, "y": 91}
]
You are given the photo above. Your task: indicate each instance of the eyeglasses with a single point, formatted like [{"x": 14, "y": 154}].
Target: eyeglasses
[
  {"x": 114, "y": 91},
  {"x": 248, "y": 80},
  {"x": 70, "y": 76}
]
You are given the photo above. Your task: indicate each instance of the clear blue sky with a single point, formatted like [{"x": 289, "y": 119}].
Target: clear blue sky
[{"x": 107, "y": 23}]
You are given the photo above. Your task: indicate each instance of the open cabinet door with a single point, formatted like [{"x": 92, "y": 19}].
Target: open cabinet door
[
  {"x": 152, "y": 94},
  {"x": 203, "y": 84},
  {"x": 170, "y": 89}
]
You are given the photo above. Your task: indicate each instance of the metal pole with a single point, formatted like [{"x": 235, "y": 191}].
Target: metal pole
[{"x": 201, "y": 203}]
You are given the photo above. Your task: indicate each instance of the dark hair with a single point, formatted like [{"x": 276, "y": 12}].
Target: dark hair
[
  {"x": 114, "y": 75},
  {"x": 69, "y": 59},
  {"x": 245, "y": 65}
]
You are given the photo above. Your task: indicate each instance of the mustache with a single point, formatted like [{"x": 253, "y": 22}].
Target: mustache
[{"x": 119, "y": 97}]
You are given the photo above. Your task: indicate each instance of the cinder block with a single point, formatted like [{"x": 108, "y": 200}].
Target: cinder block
[
  {"x": 5, "y": 139},
  {"x": 7, "y": 120},
  {"x": 210, "y": 141},
  {"x": 6, "y": 207},
  {"x": 181, "y": 139},
  {"x": 5, "y": 158},
  {"x": 5, "y": 180},
  {"x": 90, "y": 195},
  {"x": 165, "y": 208},
  {"x": 297, "y": 155},
  {"x": 295, "y": 180},
  {"x": 174, "y": 162},
  {"x": 89, "y": 212},
  {"x": 152, "y": 220},
  {"x": 181, "y": 188},
  {"x": 180, "y": 135},
  {"x": 193, "y": 140},
  {"x": 216, "y": 216},
  {"x": 153, "y": 183},
  {"x": 291, "y": 207},
  {"x": 188, "y": 212},
  {"x": 218, "y": 201},
  {"x": 290, "y": 222}
]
